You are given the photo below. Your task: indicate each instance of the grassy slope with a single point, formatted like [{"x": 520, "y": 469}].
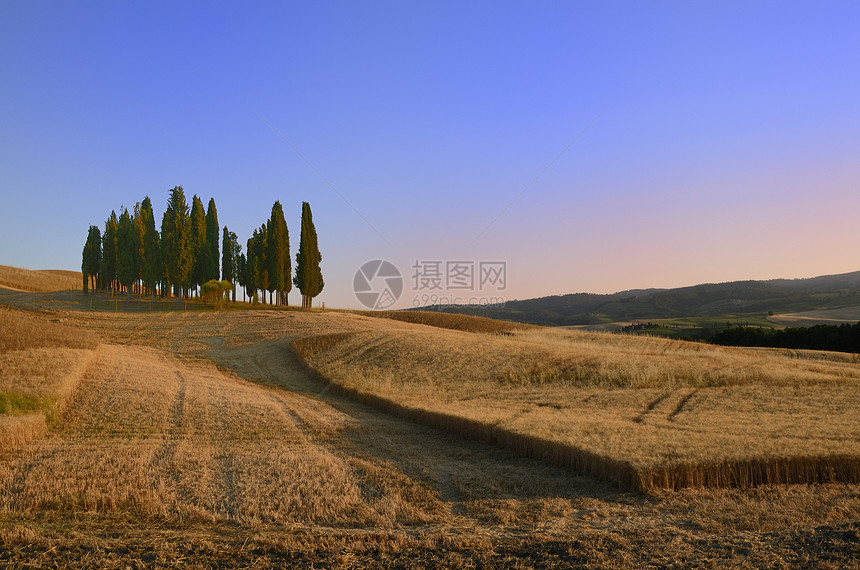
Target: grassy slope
[
  {"x": 40, "y": 366},
  {"x": 450, "y": 321},
  {"x": 647, "y": 413},
  {"x": 39, "y": 281}
]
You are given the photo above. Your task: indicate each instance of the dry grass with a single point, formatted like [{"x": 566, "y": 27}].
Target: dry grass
[
  {"x": 18, "y": 429},
  {"x": 163, "y": 458},
  {"x": 188, "y": 442},
  {"x": 41, "y": 363},
  {"x": 451, "y": 321},
  {"x": 19, "y": 331},
  {"x": 39, "y": 281},
  {"x": 647, "y": 413}
]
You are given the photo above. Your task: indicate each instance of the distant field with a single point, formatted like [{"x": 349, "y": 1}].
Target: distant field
[
  {"x": 40, "y": 281},
  {"x": 686, "y": 328},
  {"x": 200, "y": 438},
  {"x": 849, "y": 315},
  {"x": 451, "y": 321}
]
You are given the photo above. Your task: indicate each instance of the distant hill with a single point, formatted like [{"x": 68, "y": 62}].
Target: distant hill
[
  {"x": 706, "y": 300},
  {"x": 39, "y": 281}
]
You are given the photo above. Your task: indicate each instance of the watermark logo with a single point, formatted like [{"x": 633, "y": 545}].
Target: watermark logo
[
  {"x": 435, "y": 275},
  {"x": 438, "y": 283},
  {"x": 446, "y": 284},
  {"x": 377, "y": 284}
]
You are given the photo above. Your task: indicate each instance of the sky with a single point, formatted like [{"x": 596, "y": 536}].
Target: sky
[{"x": 586, "y": 146}]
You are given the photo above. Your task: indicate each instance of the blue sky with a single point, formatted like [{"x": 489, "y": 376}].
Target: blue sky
[{"x": 723, "y": 140}]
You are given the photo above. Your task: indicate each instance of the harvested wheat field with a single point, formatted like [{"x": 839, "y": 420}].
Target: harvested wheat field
[
  {"x": 41, "y": 364},
  {"x": 201, "y": 439},
  {"x": 646, "y": 413},
  {"x": 39, "y": 281}
]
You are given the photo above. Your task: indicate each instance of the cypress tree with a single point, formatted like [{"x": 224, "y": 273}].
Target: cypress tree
[
  {"x": 175, "y": 234},
  {"x": 107, "y": 270},
  {"x": 230, "y": 250},
  {"x": 212, "y": 241},
  {"x": 126, "y": 252},
  {"x": 242, "y": 272},
  {"x": 197, "y": 241},
  {"x": 308, "y": 277},
  {"x": 252, "y": 268},
  {"x": 288, "y": 265},
  {"x": 150, "y": 263},
  {"x": 167, "y": 270},
  {"x": 261, "y": 262},
  {"x": 92, "y": 257},
  {"x": 278, "y": 252},
  {"x": 137, "y": 219}
]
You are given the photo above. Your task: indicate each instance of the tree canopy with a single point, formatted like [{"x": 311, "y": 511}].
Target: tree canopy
[
  {"x": 107, "y": 267},
  {"x": 211, "y": 241},
  {"x": 229, "y": 258},
  {"x": 308, "y": 279},
  {"x": 151, "y": 269},
  {"x": 126, "y": 251},
  {"x": 175, "y": 241},
  {"x": 132, "y": 255},
  {"x": 197, "y": 243},
  {"x": 92, "y": 258}
]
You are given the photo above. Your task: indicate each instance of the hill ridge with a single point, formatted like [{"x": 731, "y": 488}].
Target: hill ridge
[{"x": 703, "y": 300}]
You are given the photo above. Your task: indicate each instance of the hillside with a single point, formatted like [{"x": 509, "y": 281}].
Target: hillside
[
  {"x": 710, "y": 300},
  {"x": 39, "y": 281}
]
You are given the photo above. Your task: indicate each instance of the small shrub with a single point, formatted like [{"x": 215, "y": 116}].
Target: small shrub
[{"x": 215, "y": 292}]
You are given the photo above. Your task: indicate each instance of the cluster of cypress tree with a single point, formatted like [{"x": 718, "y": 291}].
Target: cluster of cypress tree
[{"x": 132, "y": 256}]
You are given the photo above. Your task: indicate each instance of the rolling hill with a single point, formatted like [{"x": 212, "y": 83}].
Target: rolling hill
[
  {"x": 39, "y": 281},
  {"x": 702, "y": 301}
]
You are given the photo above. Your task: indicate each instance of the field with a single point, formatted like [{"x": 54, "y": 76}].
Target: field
[
  {"x": 200, "y": 438},
  {"x": 644, "y": 412},
  {"x": 40, "y": 366},
  {"x": 40, "y": 281},
  {"x": 850, "y": 315},
  {"x": 685, "y": 328}
]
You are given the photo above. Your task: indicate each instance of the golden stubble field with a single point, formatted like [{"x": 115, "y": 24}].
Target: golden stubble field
[
  {"x": 645, "y": 412},
  {"x": 41, "y": 281},
  {"x": 200, "y": 439}
]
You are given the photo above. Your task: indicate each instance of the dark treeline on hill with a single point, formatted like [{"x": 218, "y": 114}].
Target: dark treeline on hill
[
  {"x": 132, "y": 256},
  {"x": 707, "y": 300},
  {"x": 841, "y": 338}
]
